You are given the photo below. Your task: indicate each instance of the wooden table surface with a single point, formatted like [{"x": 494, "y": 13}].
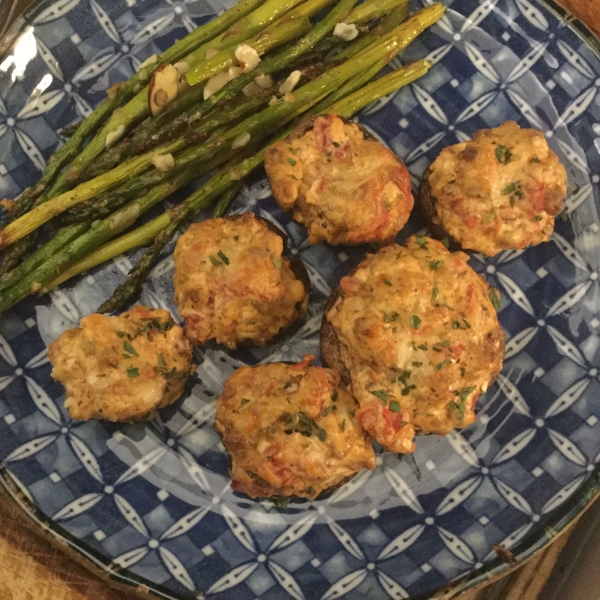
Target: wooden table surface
[{"x": 34, "y": 569}]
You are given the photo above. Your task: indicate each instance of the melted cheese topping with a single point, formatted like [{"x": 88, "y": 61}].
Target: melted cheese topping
[
  {"x": 343, "y": 188},
  {"x": 290, "y": 430},
  {"x": 121, "y": 368},
  {"x": 233, "y": 284},
  {"x": 499, "y": 191},
  {"x": 421, "y": 340}
]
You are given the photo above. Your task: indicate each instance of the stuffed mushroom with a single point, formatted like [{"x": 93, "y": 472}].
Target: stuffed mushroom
[
  {"x": 340, "y": 183},
  {"x": 233, "y": 282},
  {"x": 414, "y": 332},
  {"x": 121, "y": 368},
  {"x": 499, "y": 191},
  {"x": 290, "y": 430}
]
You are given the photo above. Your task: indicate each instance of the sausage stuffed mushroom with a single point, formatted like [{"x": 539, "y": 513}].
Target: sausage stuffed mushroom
[
  {"x": 290, "y": 430},
  {"x": 414, "y": 332},
  {"x": 342, "y": 185},
  {"x": 499, "y": 191}
]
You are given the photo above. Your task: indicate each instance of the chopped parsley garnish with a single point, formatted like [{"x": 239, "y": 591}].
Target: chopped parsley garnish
[
  {"x": 343, "y": 426},
  {"x": 223, "y": 257},
  {"x": 129, "y": 348},
  {"x": 434, "y": 293},
  {"x": 387, "y": 282},
  {"x": 155, "y": 323},
  {"x": 395, "y": 406},
  {"x": 415, "y": 322},
  {"x": 416, "y": 363},
  {"x": 328, "y": 410},
  {"x": 277, "y": 262},
  {"x": 294, "y": 150},
  {"x": 215, "y": 261},
  {"x": 280, "y": 501},
  {"x": 439, "y": 345},
  {"x": 381, "y": 395},
  {"x": 161, "y": 361},
  {"x": 503, "y": 154},
  {"x": 407, "y": 389},
  {"x": 334, "y": 396},
  {"x": 495, "y": 299},
  {"x": 390, "y": 318},
  {"x": 291, "y": 162},
  {"x": 462, "y": 407},
  {"x": 534, "y": 159},
  {"x": 443, "y": 364},
  {"x": 351, "y": 413},
  {"x": 287, "y": 385},
  {"x": 403, "y": 377},
  {"x": 456, "y": 325},
  {"x": 133, "y": 372},
  {"x": 422, "y": 347},
  {"x": 446, "y": 242},
  {"x": 462, "y": 371},
  {"x": 421, "y": 242},
  {"x": 537, "y": 218},
  {"x": 434, "y": 265},
  {"x": 245, "y": 401},
  {"x": 303, "y": 425}
]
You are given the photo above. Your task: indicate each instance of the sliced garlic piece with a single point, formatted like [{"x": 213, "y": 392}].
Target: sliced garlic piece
[
  {"x": 247, "y": 56},
  {"x": 114, "y": 136},
  {"x": 265, "y": 81},
  {"x": 215, "y": 83},
  {"x": 290, "y": 83},
  {"x": 182, "y": 67},
  {"x": 235, "y": 72},
  {"x": 345, "y": 31},
  {"x": 149, "y": 61},
  {"x": 240, "y": 141},
  {"x": 163, "y": 162}
]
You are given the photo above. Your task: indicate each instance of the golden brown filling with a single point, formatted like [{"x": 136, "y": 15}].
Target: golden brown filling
[
  {"x": 233, "y": 284},
  {"x": 499, "y": 191},
  {"x": 121, "y": 368},
  {"x": 342, "y": 188},
  {"x": 290, "y": 431},
  {"x": 421, "y": 340}
]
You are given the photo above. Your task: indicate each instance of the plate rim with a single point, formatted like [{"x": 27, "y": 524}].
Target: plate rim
[{"x": 125, "y": 580}]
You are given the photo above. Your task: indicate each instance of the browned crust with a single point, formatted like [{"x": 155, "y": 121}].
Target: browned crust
[
  {"x": 428, "y": 202},
  {"x": 331, "y": 347}
]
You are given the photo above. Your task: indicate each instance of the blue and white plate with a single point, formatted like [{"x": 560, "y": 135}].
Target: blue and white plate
[{"x": 150, "y": 503}]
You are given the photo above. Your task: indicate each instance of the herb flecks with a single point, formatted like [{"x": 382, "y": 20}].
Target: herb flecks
[
  {"x": 381, "y": 395},
  {"x": 223, "y": 257},
  {"x": 462, "y": 406},
  {"x": 390, "y": 318},
  {"x": 133, "y": 372},
  {"x": 130, "y": 349},
  {"x": 434, "y": 265},
  {"x": 291, "y": 162},
  {"x": 495, "y": 299},
  {"x": 503, "y": 154},
  {"x": 415, "y": 322}
]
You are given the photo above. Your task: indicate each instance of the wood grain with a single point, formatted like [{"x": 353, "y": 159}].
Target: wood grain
[{"x": 35, "y": 569}]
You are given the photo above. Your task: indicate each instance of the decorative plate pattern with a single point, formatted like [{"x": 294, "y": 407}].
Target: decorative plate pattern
[{"x": 151, "y": 504}]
